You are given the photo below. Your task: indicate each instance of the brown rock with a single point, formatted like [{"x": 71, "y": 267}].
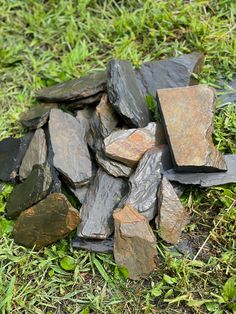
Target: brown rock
[
  {"x": 188, "y": 114},
  {"x": 135, "y": 243},
  {"x": 172, "y": 216},
  {"x": 46, "y": 222}
]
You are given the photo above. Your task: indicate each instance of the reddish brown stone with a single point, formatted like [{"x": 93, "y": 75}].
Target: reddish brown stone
[{"x": 188, "y": 114}]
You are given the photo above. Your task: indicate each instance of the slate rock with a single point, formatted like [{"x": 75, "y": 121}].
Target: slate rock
[
  {"x": 80, "y": 192},
  {"x": 102, "y": 198},
  {"x": 135, "y": 243},
  {"x": 32, "y": 190},
  {"x": 125, "y": 95},
  {"x": 172, "y": 216},
  {"x": 69, "y": 91},
  {"x": 90, "y": 101},
  {"x": 228, "y": 92},
  {"x": 36, "y": 153},
  {"x": 37, "y": 116},
  {"x": 128, "y": 146},
  {"x": 84, "y": 118},
  {"x": 46, "y": 222},
  {"x": 206, "y": 179},
  {"x": 12, "y": 151},
  {"x": 99, "y": 246},
  {"x": 188, "y": 114},
  {"x": 71, "y": 155},
  {"x": 144, "y": 182}
]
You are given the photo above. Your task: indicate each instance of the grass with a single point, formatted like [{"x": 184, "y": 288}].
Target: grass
[{"x": 44, "y": 42}]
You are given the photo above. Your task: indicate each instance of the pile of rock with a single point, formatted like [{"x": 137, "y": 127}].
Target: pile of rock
[{"x": 92, "y": 141}]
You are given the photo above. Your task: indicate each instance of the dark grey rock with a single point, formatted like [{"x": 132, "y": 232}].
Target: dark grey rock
[
  {"x": 80, "y": 192},
  {"x": 102, "y": 198},
  {"x": 84, "y": 118},
  {"x": 99, "y": 246},
  {"x": 32, "y": 190},
  {"x": 178, "y": 188},
  {"x": 228, "y": 92},
  {"x": 125, "y": 95},
  {"x": 81, "y": 103},
  {"x": 69, "y": 91},
  {"x": 206, "y": 179}
]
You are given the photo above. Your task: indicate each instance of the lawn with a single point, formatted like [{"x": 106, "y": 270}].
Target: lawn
[{"x": 44, "y": 42}]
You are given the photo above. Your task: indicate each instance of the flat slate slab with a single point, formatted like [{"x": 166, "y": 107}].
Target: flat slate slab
[
  {"x": 84, "y": 102},
  {"x": 125, "y": 95},
  {"x": 99, "y": 246},
  {"x": 31, "y": 230},
  {"x": 228, "y": 93},
  {"x": 206, "y": 179},
  {"x": 188, "y": 114},
  {"x": 71, "y": 155},
  {"x": 102, "y": 198},
  {"x": 68, "y": 91}
]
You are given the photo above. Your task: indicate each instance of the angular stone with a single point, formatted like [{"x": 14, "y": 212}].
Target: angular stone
[
  {"x": 99, "y": 246},
  {"x": 206, "y": 179},
  {"x": 80, "y": 192},
  {"x": 102, "y": 198},
  {"x": 71, "y": 155},
  {"x": 188, "y": 114},
  {"x": 61, "y": 218},
  {"x": 125, "y": 95},
  {"x": 144, "y": 182},
  {"x": 81, "y": 103},
  {"x": 228, "y": 93},
  {"x": 32, "y": 190},
  {"x": 172, "y": 216},
  {"x": 169, "y": 73},
  {"x": 12, "y": 151},
  {"x": 36, "y": 154},
  {"x": 68, "y": 91},
  {"x": 84, "y": 118},
  {"x": 36, "y": 116},
  {"x": 128, "y": 146},
  {"x": 135, "y": 243}
]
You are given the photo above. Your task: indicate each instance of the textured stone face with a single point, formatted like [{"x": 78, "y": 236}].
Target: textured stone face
[
  {"x": 71, "y": 155},
  {"x": 83, "y": 87},
  {"x": 228, "y": 93},
  {"x": 80, "y": 192},
  {"x": 172, "y": 216},
  {"x": 81, "y": 103},
  {"x": 36, "y": 153},
  {"x": 135, "y": 243},
  {"x": 125, "y": 95},
  {"x": 128, "y": 146},
  {"x": 102, "y": 198},
  {"x": 46, "y": 222},
  {"x": 99, "y": 246},
  {"x": 32, "y": 190},
  {"x": 188, "y": 114}
]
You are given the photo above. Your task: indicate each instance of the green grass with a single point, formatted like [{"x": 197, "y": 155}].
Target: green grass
[{"x": 44, "y": 42}]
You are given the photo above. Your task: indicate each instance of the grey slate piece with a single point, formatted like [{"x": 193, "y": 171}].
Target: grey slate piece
[{"x": 99, "y": 246}]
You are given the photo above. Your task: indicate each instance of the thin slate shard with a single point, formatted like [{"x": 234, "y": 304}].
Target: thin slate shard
[
  {"x": 188, "y": 114},
  {"x": 125, "y": 95},
  {"x": 90, "y": 101},
  {"x": 80, "y": 192},
  {"x": 99, "y": 246},
  {"x": 228, "y": 92}
]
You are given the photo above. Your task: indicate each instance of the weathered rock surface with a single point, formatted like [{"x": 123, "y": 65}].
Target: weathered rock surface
[
  {"x": 36, "y": 154},
  {"x": 125, "y": 95},
  {"x": 68, "y": 91},
  {"x": 12, "y": 151},
  {"x": 80, "y": 192},
  {"x": 37, "y": 116},
  {"x": 188, "y": 114},
  {"x": 172, "y": 216},
  {"x": 135, "y": 243},
  {"x": 71, "y": 155},
  {"x": 144, "y": 182},
  {"x": 99, "y": 246},
  {"x": 228, "y": 94},
  {"x": 81, "y": 103},
  {"x": 128, "y": 146},
  {"x": 32, "y": 190},
  {"x": 102, "y": 198},
  {"x": 206, "y": 179},
  {"x": 46, "y": 222},
  {"x": 84, "y": 118}
]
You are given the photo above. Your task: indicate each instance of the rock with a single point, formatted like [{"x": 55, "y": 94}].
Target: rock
[
  {"x": 144, "y": 182},
  {"x": 80, "y": 192},
  {"x": 135, "y": 243},
  {"x": 104, "y": 194},
  {"x": 81, "y": 103},
  {"x": 32, "y": 190},
  {"x": 61, "y": 218},
  {"x": 178, "y": 187},
  {"x": 71, "y": 155},
  {"x": 76, "y": 89},
  {"x": 125, "y": 95},
  {"x": 172, "y": 216},
  {"x": 128, "y": 146},
  {"x": 228, "y": 94},
  {"x": 84, "y": 118},
  {"x": 169, "y": 73},
  {"x": 12, "y": 151},
  {"x": 36, "y": 153},
  {"x": 188, "y": 114},
  {"x": 206, "y": 179},
  {"x": 99, "y": 246},
  {"x": 36, "y": 116}
]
